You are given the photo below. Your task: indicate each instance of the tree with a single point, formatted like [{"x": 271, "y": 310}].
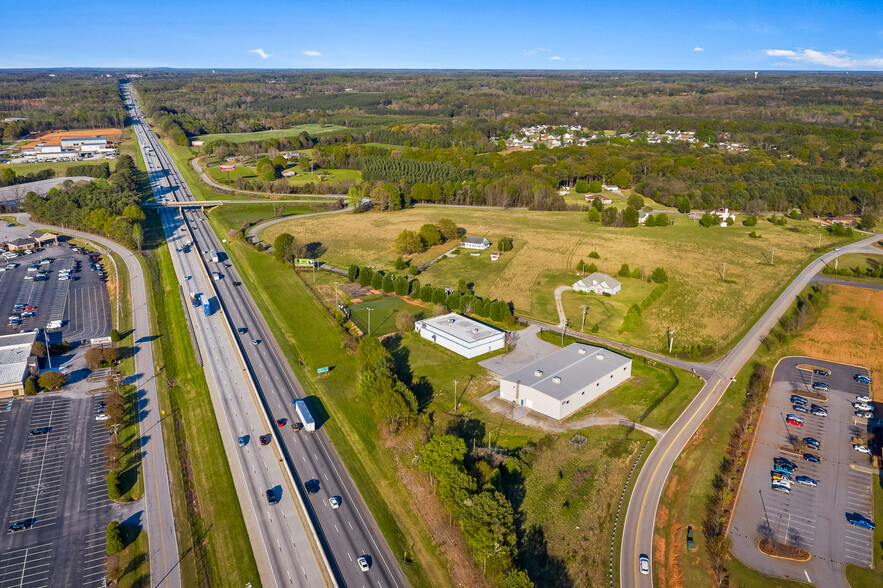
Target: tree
[
  {"x": 636, "y": 201},
  {"x": 31, "y": 386},
  {"x": 582, "y": 186},
  {"x": 430, "y": 235},
  {"x": 400, "y": 286},
  {"x": 113, "y": 486},
  {"x": 52, "y": 380},
  {"x": 408, "y": 242},
  {"x": 660, "y": 276},
  {"x": 352, "y": 273},
  {"x": 283, "y": 248},
  {"x": 113, "y": 451},
  {"x": 377, "y": 281},
  {"x": 662, "y": 220},
  {"x": 594, "y": 215},
  {"x": 94, "y": 357},
  {"x": 636, "y": 273},
  {"x": 591, "y": 269},
  {"x": 110, "y": 354},
  {"x": 710, "y": 220},
  {"x": 405, "y": 321},
  {"x": 264, "y": 162},
  {"x": 115, "y": 543},
  {"x": 388, "y": 284},
  {"x": 624, "y": 271},
  {"x": 38, "y": 348},
  {"x": 867, "y": 222},
  {"x": 623, "y": 179},
  {"x": 439, "y": 296},
  {"x": 448, "y": 229},
  {"x": 269, "y": 174},
  {"x": 489, "y": 525},
  {"x": 750, "y": 221},
  {"x": 504, "y": 244},
  {"x": 279, "y": 162},
  {"x": 115, "y": 335},
  {"x": 366, "y": 276},
  {"x": 630, "y": 216},
  {"x": 594, "y": 255},
  {"x": 609, "y": 216},
  {"x": 595, "y": 186}
]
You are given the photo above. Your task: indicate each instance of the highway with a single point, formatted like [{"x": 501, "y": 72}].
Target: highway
[
  {"x": 640, "y": 518},
  {"x": 307, "y": 543}
]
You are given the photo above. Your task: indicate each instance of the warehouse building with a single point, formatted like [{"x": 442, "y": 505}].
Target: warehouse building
[
  {"x": 462, "y": 335},
  {"x": 81, "y": 142},
  {"x": 563, "y": 382},
  {"x": 15, "y": 354}
]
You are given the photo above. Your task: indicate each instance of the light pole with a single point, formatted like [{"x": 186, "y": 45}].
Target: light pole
[
  {"x": 335, "y": 295},
  {"x": 369, "y": 319},
  {"x": 564, "y": 326},
  {"x": 585, "y": 309},
  {"x": 671, "y": 338},
  {"x": 455, "y": 395}
]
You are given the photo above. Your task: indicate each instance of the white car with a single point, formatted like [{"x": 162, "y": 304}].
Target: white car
[
  {"x": 102, "y": 417},
  {"x": 862, "y": 406},
  {"x": 334, "y": 501},
  {"x": 862, "y": 449},
  {"x": 864, "y": 415},
  {"x": 29, "y": 277},
  {"x": 363, "y": 563},
  {"x": 863, "y": 399},
  {"x": 644, "y": 564}
]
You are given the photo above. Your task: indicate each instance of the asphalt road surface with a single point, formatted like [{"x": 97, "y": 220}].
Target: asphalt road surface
[
  {"x": 640, "y": 516},
  {"x": 812, "y": 518},
  {"x": 343, "y": 534}
]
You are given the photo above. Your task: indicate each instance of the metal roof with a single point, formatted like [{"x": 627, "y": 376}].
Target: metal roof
[
  {"x": 14, "y": 353},
  {"x": 464, "y": 330},
  {"x": 565, "y": 372}
]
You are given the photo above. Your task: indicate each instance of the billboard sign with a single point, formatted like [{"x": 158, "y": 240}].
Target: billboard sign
[
  {"x": 100, "y": 341},
  {"x": 227, "y": 167},
  {"x": 197, "y": 143},
  {"x": 303, "y": 263},
  {"x": 323, "y": 370}
]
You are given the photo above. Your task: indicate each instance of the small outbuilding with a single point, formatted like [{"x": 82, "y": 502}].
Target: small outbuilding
[
  {"x": 461, "y": 334},
  {"x": 563, "y": 382},
  {"x": 475, "y": 243},
  {"x": 15, "y": 358},
  {"x": 598, "y": 283}
]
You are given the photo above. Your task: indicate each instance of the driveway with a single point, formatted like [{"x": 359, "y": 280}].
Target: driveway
[{"x": 528, "y": 348}]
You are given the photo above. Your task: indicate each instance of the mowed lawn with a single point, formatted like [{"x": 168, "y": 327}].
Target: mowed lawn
[
  {"x": 701, "y": 307},
  {"x": 383, "y": 314},
  {"x": 862, "y": 261},
  {"x": 232, "y": 216},
  {"x": 313, "y": 129},
  {"x": 318, "y": 175},
  {"x": 605, "y": 311}
]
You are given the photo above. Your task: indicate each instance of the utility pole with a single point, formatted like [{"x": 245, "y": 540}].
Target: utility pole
[
  {"x": 820, "y": 241},
  {"x": 836, "y": 262},
  {"x": 724, "y": 274},
  {"x": 564, "y": 326},
  {"x": 48, "y": 355},
  {"x": 335, "y": 295},
  {"x": 455, "y": 395},
  {"x": 766, "y": 516},
  {"x": 369, "y": 320},
  {"x": 671, "y": 338},
  {"x": 772, "y": 256},
  {"x": 585, "y": 309}
]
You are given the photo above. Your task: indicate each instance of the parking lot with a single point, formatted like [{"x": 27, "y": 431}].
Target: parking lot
[
  {"x": 809, "y": 517},
  {"x": 54, "y": 481},
  {"x": 82, "y": 302}
]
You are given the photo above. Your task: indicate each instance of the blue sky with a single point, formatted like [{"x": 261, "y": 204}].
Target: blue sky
[{"x": 447, "y": 34}]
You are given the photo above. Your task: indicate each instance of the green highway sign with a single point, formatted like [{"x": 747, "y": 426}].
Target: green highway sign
[{"x": 323, "y": 370}]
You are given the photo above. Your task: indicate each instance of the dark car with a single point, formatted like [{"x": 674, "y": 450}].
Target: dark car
[
  {"x": 21, "y": 525},
  {"x": 271, "y": 497},
  {"x": 821, "y": 372},
  {"x": 811, "y": 457},
  {"x": 798, "y": 400},
  {"x": 819, "y": 386},
  {"x": 854, "y": 518},
  {"x": 243, "y": 441},
  {"x": 814, "y": 443},
  {"x": 799, "y": 408},
  {"x": 862, "y": 378},
  {"x": 785, "y": 462},
  {"x": 242, "y": 330},
  {"x": 312, "y": 486},
  {"x": 40, "y": 431},
  {"x": 265, "y": 439}
]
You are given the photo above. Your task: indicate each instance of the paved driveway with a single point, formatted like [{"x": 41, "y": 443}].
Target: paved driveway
[{"x": 528, "y": 348}]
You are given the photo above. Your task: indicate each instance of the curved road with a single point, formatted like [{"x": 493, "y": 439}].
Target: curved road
[
  {"x": 640, "y": 517},
  {"x": 158, "y": 517}
]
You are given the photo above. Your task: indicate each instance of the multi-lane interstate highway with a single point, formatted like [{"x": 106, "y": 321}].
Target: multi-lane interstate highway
[{"x": 301, "y": 541}]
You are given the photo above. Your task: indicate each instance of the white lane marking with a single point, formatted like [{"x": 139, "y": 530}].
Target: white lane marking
[{"x": 805, "y": 573}]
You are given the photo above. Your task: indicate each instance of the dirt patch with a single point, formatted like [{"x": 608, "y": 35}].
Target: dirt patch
[{"x": 54, "y": 137}]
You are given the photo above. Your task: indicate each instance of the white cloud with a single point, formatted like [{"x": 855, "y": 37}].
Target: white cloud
[
  {"x": 312, "y": 53},
  {"x": 260, "y": 52},
  {"x": 536, "y": 50},
  {"x": 556, "y": 58},
  {"x": 836, "y": 58},
  {"x": 698, "y": 49}
]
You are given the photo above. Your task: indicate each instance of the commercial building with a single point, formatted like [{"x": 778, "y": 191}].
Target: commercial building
[
  {"x": 563, "y": 382},
  {"x": 462, "y": 335},
  {"x": 15, "y": 354},
  {"x": 79, "y": 143}
]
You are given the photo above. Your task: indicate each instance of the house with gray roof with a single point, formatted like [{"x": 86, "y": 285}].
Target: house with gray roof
[
  {"x": 475, "y": 243},
  {"x": 565, "y": 381},
  {"x": 599, "y": 284}
]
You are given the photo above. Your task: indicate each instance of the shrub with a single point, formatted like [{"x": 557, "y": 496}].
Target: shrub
[
  {"x": 400, "y": 286},
  {"x": 636, "y": 273},
  {"x": 582, "y": 186},
  {"x": 115, "y": 336},
  {"x": 412, "y": 270},
  {"x": 377, "y": 281},
  {"x": 388, "y": 284},
  {"x": 632, "y": 319},
  {"x": 594, "y": 215},
  {"x": 352, "y": 273},
  {"x": 94, "y": 357},
  {"x": 405, "y": 321},
  {"x": 504, "y": 244},
  {"x": 110, "y": 354},
  {"x": 591, "y": 268},
  {"x": 750, "y": 221},
  {"x": 31, "y": 386},
  {"x": 595, "y": 327},
  {"x": 661, "y": 220},
  {"x": 595, "y": 255},
  {"x": 867, "y": 222},
  {"x": 754, "y": 235},
  {"x": 595, "y": 186},
  {"x": 660, "y": 276},
  {"x": 115, "y": 542},
  {"x": 624, "y": 271},
  {"x": 113, "y": 486}
]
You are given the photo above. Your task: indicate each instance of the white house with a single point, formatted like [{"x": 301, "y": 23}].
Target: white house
[
  {"x": 724, "y": 214},
  {"x": 461, "y": 334},
  {"x": 475, "y": 243},
  {"x": 599, "y": 284},
  {"x": 642, "y": 216},
  {"x": 563, "y": 382},
  {"x": 604, "y": 199}
]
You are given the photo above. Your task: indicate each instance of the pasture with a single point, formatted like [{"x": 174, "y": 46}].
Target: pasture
[
  {"x": 383, "y": 314},
  {"x": 313, "y": 129},
  {"x": 701, "y": 306},
  {"x": 319, "y": 175}
]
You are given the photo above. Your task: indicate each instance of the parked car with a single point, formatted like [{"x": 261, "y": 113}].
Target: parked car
[
  {"x": 39, "y": 431},
  {"x": 811, "y": 442},
  {"x": 794, "y": 420},
  {"x": 862, "y": 406},
  {"x": 785, "y": 461},
  {"x": 800, "y": 408},
  {"x": 864, "y": 415},
  {"x": 780, "y": 476},
  {"x": 821, "y": 372},
  {"x": 819, "y": 411},
  {"x": 806, "y": 481},
  {"x": 819, "y": 386},
  {"x": 21, "y": 525},
  {"x": 862, "y": 378},
  {"x": 781, "y": 488},
  {"x": 863, "y": 398},
  {"x": 102, "y": 417},
  {"x": 798, "y": 400},
  {"x": 854, "y": 518},
  {"x": 862, "y": 449},
  {"x": 812, "y": 458}
]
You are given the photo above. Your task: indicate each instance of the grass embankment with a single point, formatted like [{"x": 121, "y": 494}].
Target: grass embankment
[
  {"x": 233, "y": 216},
  {"x": 550, "y": 244},
  {"x": 60, "y": 167},
  {"x": 212, "y": 537},
  {"x": 247, "y": 171},
  {"x": 132, "y": 562},
  {"x": 655, "y": 396},
  {"x": 313, "y": 129}
]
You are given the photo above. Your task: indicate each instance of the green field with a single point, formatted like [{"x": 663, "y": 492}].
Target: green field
[
  {"x": 249, "y": 173},
  {"x": 862, "y": 261},
  {"x": 134, "y": 565},
  {"x": 606, "y": 311},
  {"x": 313, "y": 129},
  {"x": 478, "y": 270},
  {"x": 60, "y": 167},
  {"x": 233, "y": 216},
  {"x": 383, "y": 314}
]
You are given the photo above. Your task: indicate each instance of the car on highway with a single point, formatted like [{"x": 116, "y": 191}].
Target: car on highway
[
  {"x": 799, "y": 408},
  {"x": 862, "y": 406},
  {"x": 794, "y": 420},
  {"x": 243, "y": 441},
  {"x": 312, "y": 486},
  {"x": 21, "y": 525},
  {"x": 819, "y": 411},
  {"x": 271, "y": 497},
  {"x": 363, "y": 563},
  {"x": 265, "y": 439},
  {"x": 819, "y": 386},
  {"x": 102, "y": 417},
  {"x": 811, "y": 442},
  {"x": 39, "y": 431},
  {"x": 334, "y": 501},
  {"x": 255, "y": 341},
  {"x": 821, "y": 372},
  {"x": 854, "y": 518},
  {"x": 296, "y": 426},
  {"x": 864, "y": 415},
  {"x": 806, "y": 481},
  {"x": 798, "y": 400},
  {"x": 812, "y": 458},
  {"x": 281, "y": 422},
  {"x": 862, "y": 378},
  {"x": 241, "y": 330},
  {"x": 862, "y": 448},
  {"x": 863, "y": 398}
]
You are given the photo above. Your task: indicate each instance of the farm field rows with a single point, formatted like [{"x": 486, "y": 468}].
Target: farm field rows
[{"x": 700, "y": 305}]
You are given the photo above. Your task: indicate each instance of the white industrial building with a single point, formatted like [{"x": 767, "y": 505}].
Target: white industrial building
[
  {"x": 563, "y": 382},
  {"x": 461, "y": 334}
]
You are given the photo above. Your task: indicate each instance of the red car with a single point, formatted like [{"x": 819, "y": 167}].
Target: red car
[
  {"x": 281, "y": 422},
  {"x": 795, "y": 421},
  {"x": 30, "y": 308},
  {"x": 265, "y": 439}
]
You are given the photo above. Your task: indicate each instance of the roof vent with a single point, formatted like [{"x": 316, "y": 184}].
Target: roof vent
[
  {"x": 475, "y": 330},
  {"x": 538, "y": 373},
  {"x": 557, "y": 379},
  {"x": 582, "y": 350},
  {"x": 600, "y": 356},
  {"x": 451, "y": 321}
]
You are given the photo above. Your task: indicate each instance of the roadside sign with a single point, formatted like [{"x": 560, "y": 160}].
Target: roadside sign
[
  {"x": 227, "y": 167},
  {"x": 323, "y": 370},
  {"x": 197, "y": 143},
  {"x": 100, "y": 341},
  {"x": 304, "y": 263}
]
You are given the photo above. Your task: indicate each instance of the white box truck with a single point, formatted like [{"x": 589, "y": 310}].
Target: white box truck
[{"x": 306, "y": 417}]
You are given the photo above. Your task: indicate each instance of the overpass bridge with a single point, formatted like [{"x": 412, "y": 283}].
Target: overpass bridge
[{"x": 211, "y": 203}]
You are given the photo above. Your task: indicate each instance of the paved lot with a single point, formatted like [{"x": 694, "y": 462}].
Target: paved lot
[
  {"x": 83, "y": 303},
  {"x": 812, "y": 518},
  {"x": 528, "y": 348},
  {"x": 56, "y": 480}
]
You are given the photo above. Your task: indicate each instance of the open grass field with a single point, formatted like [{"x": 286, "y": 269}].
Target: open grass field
[
  {"x": 605, "y": 311},
  {"x": 383, "y": 315},
  {"x": 848, "y": 331},
  {"x": 556, "y": 241},
  {"x": 318, "y": 175},
  {"x": 60, "y": 167},
  {"x": 478, "y": 270},
  {"x": 313, "y": 129},
  {"x": 55, "y": 137},
  {"x": 233, "y": 216},
  {"x": 862, "y": 261},
  {"x": 133, "y": 562}
]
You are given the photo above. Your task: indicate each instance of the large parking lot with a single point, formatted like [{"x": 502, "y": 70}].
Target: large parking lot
[
  {"x": 54, "y": 481},
  {"x": 81, "y": 302},
  {"x": 810, "y": 517}
]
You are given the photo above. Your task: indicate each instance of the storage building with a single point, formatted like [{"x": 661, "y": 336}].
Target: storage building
[
  {"x": 462, "y": 335},
  {"x": 563, "y": 382}
]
